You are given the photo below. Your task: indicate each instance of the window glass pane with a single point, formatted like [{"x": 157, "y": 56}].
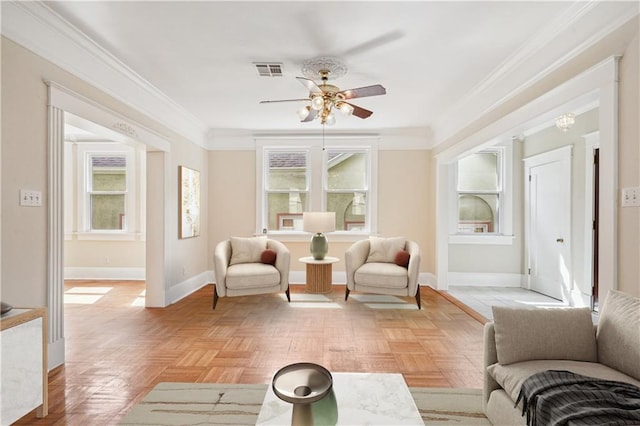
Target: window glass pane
[
  {"x": 107, "y": 212},
  {"x": 285, "y": 211},
  {"x": 478, "y": 213},
  {"x": 287, "y": 170},
  {"x": 346, "y": 170},
  {"x": 478, "y": 172},
  {"x": 350, "y": 208},
  {"x": 108, "y": 173}
]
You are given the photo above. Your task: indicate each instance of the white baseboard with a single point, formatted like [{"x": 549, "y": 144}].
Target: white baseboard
[
  {"x": 90, "y": 273},
  {"x": 185, "y": 288},
  {"x": 55, "y": 354},
  {"x": 484, "y": 279}
]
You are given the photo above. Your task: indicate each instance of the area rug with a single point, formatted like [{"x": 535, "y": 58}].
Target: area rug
[{"x": 224, "y": 404}]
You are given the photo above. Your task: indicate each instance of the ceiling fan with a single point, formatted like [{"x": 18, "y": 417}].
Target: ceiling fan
[{"x": 324, "y": 97}]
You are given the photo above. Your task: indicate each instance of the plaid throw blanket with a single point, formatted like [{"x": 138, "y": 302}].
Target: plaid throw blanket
[{"x": 563, "y": 398}]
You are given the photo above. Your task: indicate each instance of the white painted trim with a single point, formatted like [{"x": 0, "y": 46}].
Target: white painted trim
[
  {"x": 558, "y": 154},
  {"x": 111, "y": 124},
  {"x": 183, "y": 289},
  {"x": 555, "y": 44},
  {"x": 484, "y": 279},
  {"x": 38, "y": 28},
  {"x": 55, "y": 353},
  {"x": 104, "y": 273}
]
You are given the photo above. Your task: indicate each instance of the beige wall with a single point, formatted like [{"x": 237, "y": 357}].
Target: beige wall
[
  {"x": 405, "y": 202},
  {"x": 629, "y": 169},
  {"x": 104, "y": 254},
  {"x": 24, "y": 165}
]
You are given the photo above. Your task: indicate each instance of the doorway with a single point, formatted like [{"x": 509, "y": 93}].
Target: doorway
[{"x": 548, "y": 221}]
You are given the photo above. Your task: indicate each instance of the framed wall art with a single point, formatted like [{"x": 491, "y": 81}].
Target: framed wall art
[{"x": 189, "y": 196}]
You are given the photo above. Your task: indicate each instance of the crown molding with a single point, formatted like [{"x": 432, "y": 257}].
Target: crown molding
[
  {"x": 576, "y": 30},
  {"x": 39, "y": 29}
]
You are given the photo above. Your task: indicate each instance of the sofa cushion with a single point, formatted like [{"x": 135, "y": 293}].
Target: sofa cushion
[
  {"x": 247, "y": 250},
  {"x": 384, "y": 249},
  {"x": 251, "y": 275},
  {"x": 379, "y": 274},
  {"x": 524, "y": 334},
  {"x": 510, "y": 377},
  {"x": 619, "y": 333}
]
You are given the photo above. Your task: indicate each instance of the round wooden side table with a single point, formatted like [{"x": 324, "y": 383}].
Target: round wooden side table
[{"x": 319, "y": 273}]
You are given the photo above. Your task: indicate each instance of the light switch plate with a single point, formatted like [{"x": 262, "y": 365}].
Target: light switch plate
[
  {"x": 30, "y": 198},
  {"x": 631, "y": 197}
]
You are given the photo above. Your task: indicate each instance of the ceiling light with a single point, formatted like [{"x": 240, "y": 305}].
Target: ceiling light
[
  {"x": 565, "y": 121},
  {"x": 345, "y": 108},
  {"x": 317, "y": 102},
  {"x": 331, "y": 119},
  {"x": 303, "y": 112}
]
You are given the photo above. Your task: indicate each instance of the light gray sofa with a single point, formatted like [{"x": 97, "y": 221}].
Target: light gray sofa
[{"x": 523, "y": 341}]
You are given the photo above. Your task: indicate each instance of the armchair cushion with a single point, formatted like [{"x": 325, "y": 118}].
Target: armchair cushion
[
  {"x": 251, "y": 275},
  {"x": 247, "y": 250},
  {"x": 537, "y": 333},
  {"x": 385, "y": 249},
  {"x": 382, "y": 274}
]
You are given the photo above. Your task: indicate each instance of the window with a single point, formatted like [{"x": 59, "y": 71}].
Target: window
[
  {"x": 296, "y": 179},
  {"x": 480, "y": 192},
  {"x": 106, "y": 187}
]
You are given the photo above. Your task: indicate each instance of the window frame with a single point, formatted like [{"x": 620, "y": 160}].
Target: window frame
[
  {"x": 85, "y": 152},
  {"x": 317, "y": 181},
  {"x": 504, "y": 234}
]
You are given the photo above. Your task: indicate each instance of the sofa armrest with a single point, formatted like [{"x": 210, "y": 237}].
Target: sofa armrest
[
  {"x": 355, "y": 257},
  {"x": 490, "y": 358},
  {"x": 413, "y": 269},
  {"x": 283, "y": 261},
  {"x": 221, "y": 257}
]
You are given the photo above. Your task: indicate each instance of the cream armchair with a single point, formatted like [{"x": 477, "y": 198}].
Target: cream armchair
[
  {"x": 371, "y": 267},
  {"x": 241, "y": 272}
]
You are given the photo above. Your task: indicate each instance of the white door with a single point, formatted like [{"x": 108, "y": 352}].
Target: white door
[{"x": 549, "y": 208}]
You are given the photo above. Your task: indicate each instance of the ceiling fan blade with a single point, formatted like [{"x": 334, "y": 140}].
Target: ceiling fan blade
[
  {"x": 309, "y": 84},
  {"x": 359, "y": 111},
  {"x": 361, "y": 92},
  {"x": 284, "y": 100}
]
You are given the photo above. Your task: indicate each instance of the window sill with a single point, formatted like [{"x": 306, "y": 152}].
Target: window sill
[
  {"x": 105, "y": 236},
  {"x": 306, "y": 236},
  {"x": 505, "y": 240}
]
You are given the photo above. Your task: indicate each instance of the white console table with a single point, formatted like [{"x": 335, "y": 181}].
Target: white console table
[{"x": 23, "y": 373}]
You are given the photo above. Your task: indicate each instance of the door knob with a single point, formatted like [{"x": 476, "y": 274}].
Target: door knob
[{"x": 560, "y": 240}]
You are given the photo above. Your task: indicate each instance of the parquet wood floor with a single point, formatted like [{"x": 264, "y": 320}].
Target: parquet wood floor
[{"x": 117, "y": 350}]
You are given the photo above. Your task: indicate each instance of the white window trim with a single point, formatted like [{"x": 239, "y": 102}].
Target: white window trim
[
  {"x": 505, "y": 217},
  {"x": 317, "y": 178},
  {"x": 83, "y": 223}
]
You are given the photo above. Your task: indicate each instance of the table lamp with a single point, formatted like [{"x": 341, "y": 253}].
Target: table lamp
[{"x": 319, "y": 222}]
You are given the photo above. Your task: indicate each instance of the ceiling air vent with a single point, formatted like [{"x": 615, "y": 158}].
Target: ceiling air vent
[{"x": 273, "y": 69}]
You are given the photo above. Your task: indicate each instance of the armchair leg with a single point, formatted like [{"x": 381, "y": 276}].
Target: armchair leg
[
  {"x": 215, "y": 296},
  {"x": 288, "y": 295},
  {"x": 418, "y": 297},
  {"x": 346, "y": 294}
]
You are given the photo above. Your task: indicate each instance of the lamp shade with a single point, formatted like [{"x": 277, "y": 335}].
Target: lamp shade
[{"x": 318, "y": 222}]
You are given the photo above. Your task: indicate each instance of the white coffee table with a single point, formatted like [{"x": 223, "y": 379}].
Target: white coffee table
[{"x": 362, "y": 398}]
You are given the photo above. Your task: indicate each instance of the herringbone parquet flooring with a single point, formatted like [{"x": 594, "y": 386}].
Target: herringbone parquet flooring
[{"x": 117, "y": 350}]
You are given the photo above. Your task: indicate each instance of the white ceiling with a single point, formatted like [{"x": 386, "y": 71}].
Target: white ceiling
[{"x": 436, "y": 59}]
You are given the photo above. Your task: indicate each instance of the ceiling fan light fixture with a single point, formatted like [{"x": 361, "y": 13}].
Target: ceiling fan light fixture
[
  {"x": 331, "y": 119},
  {"x": 304, "y": 112},
  {"x": 345, "y": 108},
  {"x": 317, "y": 102}
]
